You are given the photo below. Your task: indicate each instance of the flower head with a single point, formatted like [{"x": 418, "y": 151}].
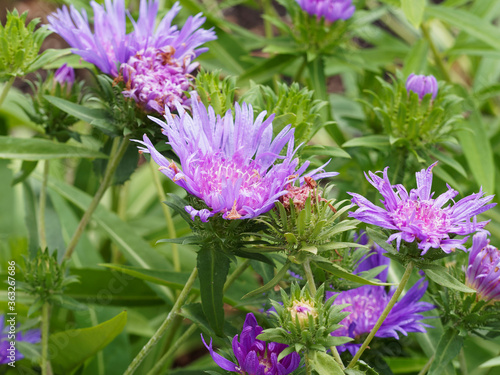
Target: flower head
[
  {"x": 6, "y": 329},
  {"x": 255, "y": 357},
  {"x": 65, "y": 75},
  {"x": 108, "y": 45},
  {"x": 332, "y": 10},
  {"x": 483, "y": 271},
  {"x": 368, "y": 302},
  {"x": 418, "y": 216},
  {"x": 422, "y": 85},
  {"x": 229, "y": 163}
]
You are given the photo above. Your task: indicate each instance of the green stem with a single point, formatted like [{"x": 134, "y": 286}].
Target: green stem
[
  {"x": 268, "y": 11},
  {"x": 157, "y": 369},
  {"x": 385, "y": 313},
  {"x": 116, "y": 156},
  {"x": 42, "y": 204},
  {"x": 463, "y": 362},
  {"x": 167, "y": 323},
  {"x": 307, "y": 363},
  {"x": 168, "y": 216},
  {"x": 237, "y": 273},
  {"x": 299, "y": 73},
  {"x": 427, "y": 366},
  {"x": 46, "y": 368},
  {"x": 437, "y": 56},
  {"x": 336, "y": 356},
  {"x": 399, "y": 173},
  {"x": 6, "y": 89},
  {"x": 309, "y": 276}
]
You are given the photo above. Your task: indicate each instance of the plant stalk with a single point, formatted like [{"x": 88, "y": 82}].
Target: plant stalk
[
  {"x": 41, "y": 207},
  {"x": 427, "y": 365},
  {"x": 168, "y": 216},
  {"x": 6, "y": 89},
  {"x": 46, "y": 368},
  {"x": 309, "y": 276},
  {"x": 385, "y": 313},
  {"x": 167, "y": 323},
  {"x": 237, "y": 273},
  {"x": 116, "y": 155},
  {"x": 308, "y": 364}
]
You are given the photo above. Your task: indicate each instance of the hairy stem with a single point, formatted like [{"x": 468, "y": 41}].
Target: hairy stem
[
  {"x": 168, "y": 216},
  {"x": 116, "y": 156},
  {"x": 41, "y": 207},
  {"x": 167, "y": 323},
  {"x": 385, "y": 313},
  {"x": 46, "y": 368},
  {"x": 5, "y": 90}
]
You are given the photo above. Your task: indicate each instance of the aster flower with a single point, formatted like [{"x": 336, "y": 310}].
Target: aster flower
[
  {"x": 422, "y": 85},
  {"x": 32, "y": 336},
  {"x": 332, "y": 10},
  {"x": 229, "y": 163},
  {"x": 255, "y": 357},
  {"x": 418, "y": 216},
  {"x": 65, "y": 75},
  {"x": 483, "y": 271},
  {"x": 109, "y": 46},
  {"x": 368, "y": 302}
]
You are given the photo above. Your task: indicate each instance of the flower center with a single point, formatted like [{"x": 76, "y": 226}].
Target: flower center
[
  {"x": 300, "y": 310},
  {"x": 421, "y": 214}
]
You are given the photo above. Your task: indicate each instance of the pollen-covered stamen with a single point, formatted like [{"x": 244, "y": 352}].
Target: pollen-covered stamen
[
  {"x": 428, "y": 218},
  {"x": 233, "y": 214}
]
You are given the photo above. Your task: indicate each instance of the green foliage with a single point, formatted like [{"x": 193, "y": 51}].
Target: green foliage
[
  {"x": 19, "y": 45},
  {"x": 214, "y": 91}
]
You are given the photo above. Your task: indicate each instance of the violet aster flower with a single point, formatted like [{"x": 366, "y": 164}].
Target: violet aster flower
[
  {"x": 374, "y": 258},
  {"x": 483, "y": 271},
  {"x": 418, "y": 216},
  {"x": 65, "y": 75},
  {"x": 332, "y": 10},
  {"x": 255, "y": 357},
  {"x": 422, "y": 85},
  {"x": 6, "y": 355},
  {"x": 108, "y": 45},
  {"x": 229, "y": 163},
  {"x": 368, "y": 302}
]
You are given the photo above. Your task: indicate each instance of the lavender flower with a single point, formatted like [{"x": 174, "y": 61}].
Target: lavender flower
[
  {"x": 483, "y": 272},
  {"x": 229, "y": 164},
  {"x": 418, "y": 216},
  {"x": 332, "y": 10},
  {"x": 109, "y": 45},
  {"x": 255, "y": 357},
  {"x": 368, "y": 302},
  {"x": 6, "y": 355},
  {"x": 65, "y": 75},
  {"x": 422, "y": 85}
]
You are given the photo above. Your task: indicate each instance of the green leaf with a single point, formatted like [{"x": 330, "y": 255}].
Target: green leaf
[
  {"x": 213, "y": 267},
  {"x": 414, "y": 11},
  {"x": 468, "y": 22},
  {"x": 494, "y": 362},
  {"x": 324, "y": 364},
  {"x": 275, "y": 280},
  {"x": 266, "y": 69},
  {"x": 336, "y": 270},
  {"x": 36, "y": 149},
  {"x": 70, "y": 349},
  {"x": 441, "y": 276},
  {"x": 30, "y": 217},
  {"x": 416, "y": 59},
  {"x": 380, "y": 142},
  {"x": 319, "y": 150},
  {"x": 448, "y": 348},
  {"x": 27, "y": 167}
]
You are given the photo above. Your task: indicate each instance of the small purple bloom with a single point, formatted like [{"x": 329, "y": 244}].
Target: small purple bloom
[
  {"x": 483, "y": 272},
  {"x": 368, "y": 302},
  {"x": 418, "y": 216},
  {"x": 422, "y": 85},
  {"x": 332, "y": 10},
  {"x": 108, "y": 45},
  {"x": 374, "y": 258},
  {"x": 65, "y": 75},
  {"x": 255, "y": 357},
  {"x": 32, "y": 336},
  {"x": 229, "y": 163}
]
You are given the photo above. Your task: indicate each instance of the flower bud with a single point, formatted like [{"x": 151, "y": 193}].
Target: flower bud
[
  {"x": 332, "y": 10},
  {"x": 422, "y": 85},
  {"x": 65, "y": 75}
]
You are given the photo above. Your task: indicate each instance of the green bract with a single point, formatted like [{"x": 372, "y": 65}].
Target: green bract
[
  {"x": 214, "y": 91},
  {"x": 19, "y": 45}
]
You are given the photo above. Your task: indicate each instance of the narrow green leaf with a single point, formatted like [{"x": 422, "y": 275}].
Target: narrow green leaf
[
  {"x": 275, "y": 280},
  {"x": 494, "y": 362},
  {"x": 416, "y": 60},
  {"x": 448, "y": 348},
  {"x": 336, "y": 270},
  {"x": 380, "y": 142},
  {"x": 70, "y": 349},
  {"x": 265, "y": 70},
  {"x": 324, "y": 364},
  {"x": 36, "y": 149},
  {"x": 213, "y": 267},
  {"x": 414, "y": 11},
  {"x": 320, "y": 150},
  {"x": 30, "y": 218},
  {"x": 441, "y": 276}
]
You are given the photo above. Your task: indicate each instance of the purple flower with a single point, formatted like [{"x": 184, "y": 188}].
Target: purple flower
[
  {"x": 483, "y": 272},
  {"x": 255, "y": 357},
  {"x": 65, "y": 75},
  {"x": 229, "y": 163},
  {"x": 108, "y": 45},
  {"x": 332, "y": 10},
  {"x": 6, "y": 331},
  {"x": 422, "y": 85},
  {"x": 418, "y": 216},
  {"x": 374, "y": 258},
  {"x": 368, "y": 302}
]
